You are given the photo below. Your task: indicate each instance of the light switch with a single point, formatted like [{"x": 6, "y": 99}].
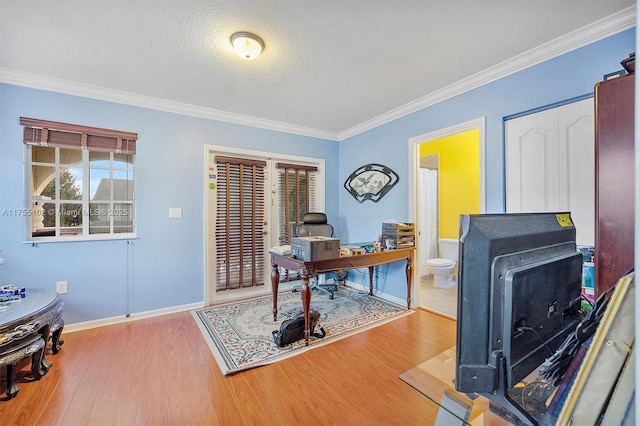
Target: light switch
[
  {"x": 175, "y": 212},
  {"x": 61, "y": 287}
]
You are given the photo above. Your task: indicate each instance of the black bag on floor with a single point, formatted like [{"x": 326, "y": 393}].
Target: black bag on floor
[{"x": 292, "y": 330}]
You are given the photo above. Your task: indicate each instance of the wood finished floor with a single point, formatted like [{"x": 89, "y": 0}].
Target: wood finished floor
[{"x": 160, "y": 371}]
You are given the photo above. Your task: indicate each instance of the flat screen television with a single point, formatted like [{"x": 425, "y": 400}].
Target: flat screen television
[{"x": 519, "y": 285}]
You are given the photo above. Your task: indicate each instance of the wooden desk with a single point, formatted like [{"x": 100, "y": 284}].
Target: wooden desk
[
  {"x": 309, "y": 268},
  {"x": 25, "y": 328}
]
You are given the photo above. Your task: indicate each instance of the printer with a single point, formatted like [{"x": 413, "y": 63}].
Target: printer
[{"x": 315, "y": 248}]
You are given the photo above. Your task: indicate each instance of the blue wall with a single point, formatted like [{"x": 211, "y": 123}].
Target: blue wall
[
  {"x": 165, "y": 265},
  {"x": 568, "y": 76}
]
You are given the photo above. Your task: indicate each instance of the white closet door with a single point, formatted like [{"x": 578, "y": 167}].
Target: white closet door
[
  {"x": 577, "y": 142},
  {"x": 532, "y": 163},
  {"x": 550, "y": 164}
]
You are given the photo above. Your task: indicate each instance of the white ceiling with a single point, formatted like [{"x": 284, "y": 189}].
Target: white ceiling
[{"x": 331, "y": 68}]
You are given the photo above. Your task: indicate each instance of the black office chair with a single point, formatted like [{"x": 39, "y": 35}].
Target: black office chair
[{"x": 315, "y": 225}]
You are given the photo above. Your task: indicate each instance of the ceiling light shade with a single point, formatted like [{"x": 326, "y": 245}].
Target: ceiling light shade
[{"x": 247, "y": 45}]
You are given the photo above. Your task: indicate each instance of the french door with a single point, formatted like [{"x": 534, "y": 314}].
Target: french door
[{"x": 253, "y": 201}]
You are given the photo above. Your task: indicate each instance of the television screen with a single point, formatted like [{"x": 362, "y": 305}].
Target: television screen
[{"x": 519, "y": 284}]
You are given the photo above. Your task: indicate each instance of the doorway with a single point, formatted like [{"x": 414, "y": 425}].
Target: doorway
[
  {"x": 248, "y": 196},
  {"x": 457, "y": 153}
]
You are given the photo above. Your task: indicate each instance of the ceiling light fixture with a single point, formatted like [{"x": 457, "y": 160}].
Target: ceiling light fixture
[{"x": 247, "y": 45}]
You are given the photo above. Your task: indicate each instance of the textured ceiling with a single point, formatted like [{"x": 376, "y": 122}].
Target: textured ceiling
[{"x": 328, "y": 66}]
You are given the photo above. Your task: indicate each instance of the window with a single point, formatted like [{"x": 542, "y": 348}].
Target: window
[{"x": 80, "y": 180}]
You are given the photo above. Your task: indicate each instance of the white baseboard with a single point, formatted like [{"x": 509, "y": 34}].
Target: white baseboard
[
  {"x": 381, "y": 295},
  {"x": 103, "y": 322},
  {"x": 86, "y": 325}
]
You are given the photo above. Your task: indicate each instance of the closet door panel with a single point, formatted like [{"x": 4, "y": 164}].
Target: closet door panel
[
  {"x": 550, "y": 164},
  {"x": 576, "y": 141},
  {"x": 531, "y": 162}
]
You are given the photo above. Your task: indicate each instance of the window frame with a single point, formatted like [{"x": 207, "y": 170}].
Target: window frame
[
  {"x": 209, "y": 182},
  {"x": 75, "y": 137}
]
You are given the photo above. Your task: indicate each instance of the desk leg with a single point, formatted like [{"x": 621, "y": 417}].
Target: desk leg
[
  {"x": 275, "y": 280},
  {"x": 306, "y": 304},
  {"x": 371, "y": 268},
  {"x": 409, "y": 271}
]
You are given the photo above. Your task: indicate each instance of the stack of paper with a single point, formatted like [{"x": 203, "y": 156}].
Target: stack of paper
[{"x": 281, "y": 250}]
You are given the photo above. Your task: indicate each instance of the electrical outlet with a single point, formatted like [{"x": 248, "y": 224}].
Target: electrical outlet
[{"x": 61, "y": 287}]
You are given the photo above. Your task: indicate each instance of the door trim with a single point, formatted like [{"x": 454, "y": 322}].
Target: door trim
[
  {"x": 414, "y": 175},
  {"x": 210, "y": 297}
]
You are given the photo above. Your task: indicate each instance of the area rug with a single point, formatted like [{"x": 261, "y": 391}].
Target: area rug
[{"x": 239, "y": 333}]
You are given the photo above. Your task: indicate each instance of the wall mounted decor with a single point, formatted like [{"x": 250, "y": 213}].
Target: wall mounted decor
[{"x": 370, "y": 182}]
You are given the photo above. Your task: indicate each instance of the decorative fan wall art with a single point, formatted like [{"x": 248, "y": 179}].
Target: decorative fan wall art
[{"x": 370, "y": 182}]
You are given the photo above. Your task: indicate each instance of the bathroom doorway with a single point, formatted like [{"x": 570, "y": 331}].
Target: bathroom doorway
[
  {"x": 448, "y": 180},
  {"x": 438, "y": 298}
]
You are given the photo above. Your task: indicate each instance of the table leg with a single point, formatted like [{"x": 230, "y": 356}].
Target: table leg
[
  {"x": 12, "y": 387},
  {"x": 275, "y": 280},
  {"x": 37, "y": 359},
  {"x": 56, "y": 340},
  {"x": 409, "y": 271},
  {"x": 45, "y": 364},
  {"x": 371, "y": 280},
  {"x": 306, "y": 304}
]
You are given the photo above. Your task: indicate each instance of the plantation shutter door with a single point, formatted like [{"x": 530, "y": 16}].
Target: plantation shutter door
[
  {"x": 297, "y": 195},
  {"x": 240, "y": 222}
]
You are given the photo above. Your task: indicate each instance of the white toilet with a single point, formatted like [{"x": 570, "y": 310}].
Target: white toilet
[{"x": 443, "y": 267}]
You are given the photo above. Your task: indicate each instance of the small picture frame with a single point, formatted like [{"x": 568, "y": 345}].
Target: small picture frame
[{"x": 370, "y": 182}]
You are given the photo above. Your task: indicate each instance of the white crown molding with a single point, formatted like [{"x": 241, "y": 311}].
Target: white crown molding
[
  {"x": 603, "y": 28},
  {"x": 67, "y": 87}
]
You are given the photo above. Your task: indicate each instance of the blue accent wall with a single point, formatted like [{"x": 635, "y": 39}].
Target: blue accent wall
[
  {"x": 164, "y": 266},
  {"x": 565, "y": 77}
]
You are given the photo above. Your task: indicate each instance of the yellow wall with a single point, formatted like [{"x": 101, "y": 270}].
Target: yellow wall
[{"x": 458, "y": 178}]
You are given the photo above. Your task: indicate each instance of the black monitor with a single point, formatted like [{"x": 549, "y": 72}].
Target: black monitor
[{"x": 519, "y": 285}]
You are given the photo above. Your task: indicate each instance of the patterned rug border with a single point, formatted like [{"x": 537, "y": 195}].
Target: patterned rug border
[{"x": 297, "y": 348}]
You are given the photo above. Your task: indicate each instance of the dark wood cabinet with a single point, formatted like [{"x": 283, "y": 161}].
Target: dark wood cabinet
[{"x": 614, "y": 170}]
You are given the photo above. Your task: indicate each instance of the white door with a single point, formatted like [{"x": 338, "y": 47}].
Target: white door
[
  {"x": 550, "y": 164},
  {"x": 247, "y": 212}
]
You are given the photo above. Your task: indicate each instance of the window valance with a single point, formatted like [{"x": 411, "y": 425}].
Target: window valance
[
  {"x": 300, "y": 167},
  {"x": 72, "y": 136}
]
